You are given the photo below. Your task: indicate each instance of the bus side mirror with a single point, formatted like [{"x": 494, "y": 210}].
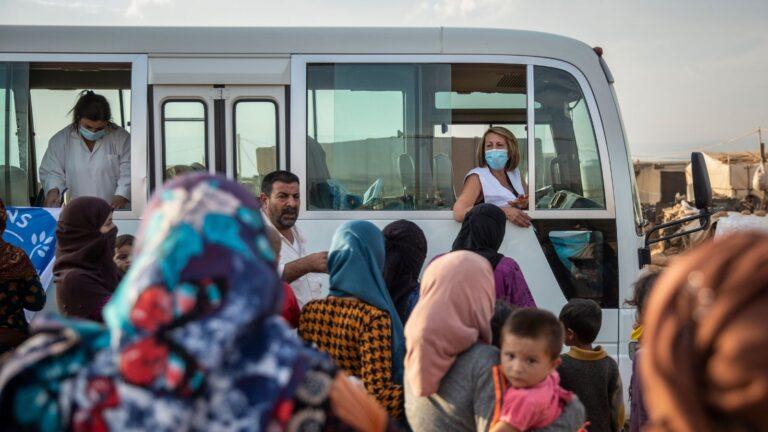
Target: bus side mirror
[{"x": 702, "y": 190}]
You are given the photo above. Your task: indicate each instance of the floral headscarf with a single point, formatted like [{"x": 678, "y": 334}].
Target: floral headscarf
[
  {"x": 195, "y": 341},
  {"x": 190, "y": 292},
  {"x": 198, "y": 306}
]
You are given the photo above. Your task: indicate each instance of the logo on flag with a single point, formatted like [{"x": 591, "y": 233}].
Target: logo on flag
[{"x": 34, "y": 230}]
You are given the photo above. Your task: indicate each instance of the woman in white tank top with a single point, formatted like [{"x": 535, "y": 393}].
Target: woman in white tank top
[{"x": 496, "y": 180}]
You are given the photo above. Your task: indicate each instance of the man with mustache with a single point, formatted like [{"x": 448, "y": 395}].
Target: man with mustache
[{"x": 281, "y": 200}]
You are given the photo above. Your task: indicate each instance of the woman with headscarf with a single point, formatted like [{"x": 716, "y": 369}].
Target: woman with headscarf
[
  {"x": 194, "y": 342},
  {"x": 20, "y": 289},
  {"x": 482, "y": 232},
  {"x": 84, "y": 272},
  {"x": 705, "y": 346},
  {"x": 450, "y": 330},
  {"x": 406, "y": 250},
  {"x": 357, "y": 324},
  {"x": 449, "y": 383}
]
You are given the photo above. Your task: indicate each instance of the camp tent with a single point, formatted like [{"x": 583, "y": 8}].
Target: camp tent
[{"x": 730, "y": 174}]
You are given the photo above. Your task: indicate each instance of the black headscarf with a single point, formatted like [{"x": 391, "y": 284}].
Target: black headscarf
[
  {"x": 81, "y": 249},
  {"x": 482, "y": 232},
  {"x": 406, "y": 250}
]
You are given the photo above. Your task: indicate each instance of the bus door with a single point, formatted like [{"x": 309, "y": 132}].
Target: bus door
[
  {"x": 234, "y": 130},
  {"x": 255, "y": 133}
]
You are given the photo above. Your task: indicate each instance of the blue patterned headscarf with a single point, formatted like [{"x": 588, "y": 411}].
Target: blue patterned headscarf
[
  {"x": 202, "y": 272},
  {"x": 193, "y": 341},
  {"x": 355, "y": 264},
  {"x": 196, "y": 312}
]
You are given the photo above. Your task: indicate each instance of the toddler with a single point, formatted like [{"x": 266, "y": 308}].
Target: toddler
[
  {"x": 531, "y": 341},
  {"x": 123, "y": 252}
]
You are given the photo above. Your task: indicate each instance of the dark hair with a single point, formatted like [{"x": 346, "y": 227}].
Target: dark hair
[
  {"x": 91, "y": 106},
  {"x": 277, "y": 176},
  {"x": 536, "y": 323},
  {"x": 501, "y": 312},
  {"x": 124, "y": 240},
  {"x": 642, "y": 288},
  {"x": 584, "y": 318}
]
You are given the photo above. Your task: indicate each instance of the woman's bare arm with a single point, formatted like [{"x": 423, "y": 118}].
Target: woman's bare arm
[{"x": 468, "y": 197}]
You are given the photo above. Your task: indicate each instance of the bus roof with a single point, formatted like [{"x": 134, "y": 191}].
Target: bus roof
[{"x": 282, "y": 41}]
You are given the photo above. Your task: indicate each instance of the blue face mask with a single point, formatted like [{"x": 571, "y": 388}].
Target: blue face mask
[
  {"x": 92, "y": 136},
  {"x": 496, "y": 159}
]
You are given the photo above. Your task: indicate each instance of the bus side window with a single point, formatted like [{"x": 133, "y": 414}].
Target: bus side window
[
  {"x": 37, "y": 109},
  {"x": 15, "y": 188},
  {"x": 255, "y": 129},
  {"x": 185, "y": 139},
  {"x": 568, "y": 170},
  {"x": 403, "y": 136}
]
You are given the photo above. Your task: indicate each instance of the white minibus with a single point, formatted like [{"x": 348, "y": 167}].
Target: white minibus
[{"x": 379, "y": 123}]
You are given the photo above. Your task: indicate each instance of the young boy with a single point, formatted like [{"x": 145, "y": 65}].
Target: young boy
[
  {"x": 589, "y": 371},
  {"x": 642, "y": 289},
  {"x": 638, "y": 414},
  {"x": 531, "y": 341},
  {"x": 123, "y": 252}
]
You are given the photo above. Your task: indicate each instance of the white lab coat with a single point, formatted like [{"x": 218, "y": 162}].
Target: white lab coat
[{"x": 103, "y": 172}]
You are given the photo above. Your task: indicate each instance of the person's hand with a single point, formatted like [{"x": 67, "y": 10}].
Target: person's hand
[
  {"x": 316, "y": 262},
  {"x": 118, "y": 202},
  {"x": 521, "y": 202},
  {"x": 52, "y": 198},
  {"x": 517, "y": 216}
]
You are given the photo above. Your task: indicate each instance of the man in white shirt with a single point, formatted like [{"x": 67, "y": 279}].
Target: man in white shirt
[
  {"x": 281, "y": 201},
  {"x": 90, "y": 157}
]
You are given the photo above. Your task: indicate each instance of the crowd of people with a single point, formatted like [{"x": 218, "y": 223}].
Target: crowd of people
[{"x": 215, "y": 318}]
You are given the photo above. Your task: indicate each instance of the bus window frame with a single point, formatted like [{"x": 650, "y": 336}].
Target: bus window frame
[
  {"x": 233, "y": 116},
  {"x": 298, "y": 130},
  {"x": 206, "y": 119},
  {"x": 139, "y": 153}
]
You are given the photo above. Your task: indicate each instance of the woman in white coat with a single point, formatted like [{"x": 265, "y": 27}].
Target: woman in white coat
[
  {"x": 90, "y": 157},
  {"x": 496, "y": 180}
]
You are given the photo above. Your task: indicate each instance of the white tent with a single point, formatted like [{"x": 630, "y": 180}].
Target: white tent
[{"x": 730, "y": 174}]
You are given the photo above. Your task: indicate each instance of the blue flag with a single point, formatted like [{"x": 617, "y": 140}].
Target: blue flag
[{"x": 34, "y": 230}]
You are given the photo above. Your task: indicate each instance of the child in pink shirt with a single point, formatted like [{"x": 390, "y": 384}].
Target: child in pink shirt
[{"x": 531, "y": 342}]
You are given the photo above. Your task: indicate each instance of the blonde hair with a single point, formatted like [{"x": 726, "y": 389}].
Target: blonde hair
[{"x": 513, "y": 149}]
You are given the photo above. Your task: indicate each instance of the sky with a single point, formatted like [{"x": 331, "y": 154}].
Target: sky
[{"x": 690, "y": 74}]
